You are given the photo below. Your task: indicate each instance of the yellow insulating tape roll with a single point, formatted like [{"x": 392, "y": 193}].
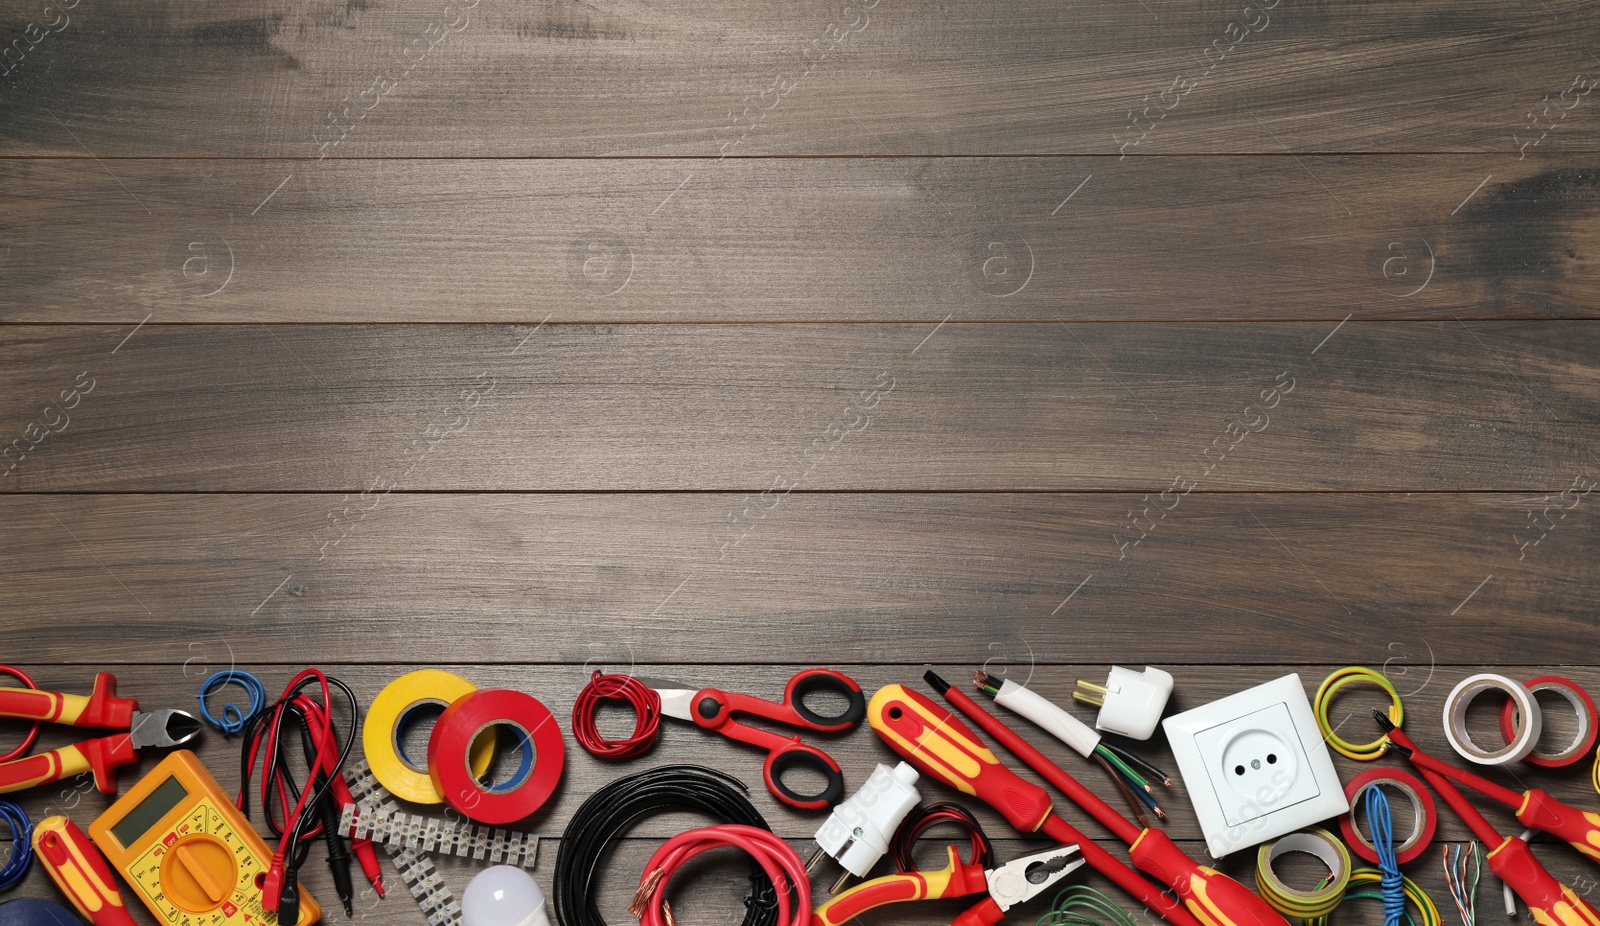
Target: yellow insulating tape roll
[
  {"x": 1292, "y": 902},
  {"x": 1351, "y": 675},
  {"x": 391, "y": 710}
]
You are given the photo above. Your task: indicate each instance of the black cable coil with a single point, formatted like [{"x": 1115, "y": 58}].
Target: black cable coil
[{"x": 616, "y": 808}]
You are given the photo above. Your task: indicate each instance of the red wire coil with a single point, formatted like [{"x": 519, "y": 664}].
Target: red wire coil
[
  {"x": 642, "y": 698},
  {"x": 782, "y": 863},
  {"x": 33, "y": 731}
]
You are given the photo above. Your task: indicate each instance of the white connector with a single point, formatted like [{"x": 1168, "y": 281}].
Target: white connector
[
  {"x": 858, "y": 831},
  {"x": 1048, "y": 717},
  {"x": 1130, "y": 702}
]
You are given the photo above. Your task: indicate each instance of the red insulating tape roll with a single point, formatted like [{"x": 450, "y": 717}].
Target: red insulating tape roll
[
  {"x": 452, "y": 739},
  {"x": 1587, "y": 725},
  {"x": 1425, "y": 816}
]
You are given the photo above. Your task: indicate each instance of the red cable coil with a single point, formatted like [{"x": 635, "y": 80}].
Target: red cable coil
[
  {"x": 642, "y": 698},
  {"x": 781, "y": 862}
]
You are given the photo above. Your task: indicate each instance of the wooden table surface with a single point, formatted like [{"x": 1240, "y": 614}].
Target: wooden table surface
[{"x": 715, "y": 340}]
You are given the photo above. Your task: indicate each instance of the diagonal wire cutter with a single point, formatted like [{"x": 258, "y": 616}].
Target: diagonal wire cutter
[
  {"x": 1007, "y": 886},
  {"x": 104, "y": 755}
]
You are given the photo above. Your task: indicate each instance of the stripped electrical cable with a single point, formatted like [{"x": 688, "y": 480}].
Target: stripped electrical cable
[{"x": 1456, "y": 873}]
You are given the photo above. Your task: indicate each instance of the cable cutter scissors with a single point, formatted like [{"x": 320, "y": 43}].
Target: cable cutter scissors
[
  {"x": 713, "y": 709},
  {"x": 102, "y": 756}
]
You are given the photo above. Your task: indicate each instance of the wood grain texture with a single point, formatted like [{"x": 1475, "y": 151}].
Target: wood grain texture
[
  {"x": 718, "y": 340},
  {"x": 559, "y": 78},
  {"x": 833, "y": 577},
  {"x": 237, "y": 242},
  {"x": 1506, "y": 406}
]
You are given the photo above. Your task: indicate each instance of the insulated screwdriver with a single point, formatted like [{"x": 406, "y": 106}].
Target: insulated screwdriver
[
  {"x": 1210, "y": 895},
  {"x": 932, "y": 739},
  {"x": 1535, "y": 808},
  {"x": 1512, "y": 860}
]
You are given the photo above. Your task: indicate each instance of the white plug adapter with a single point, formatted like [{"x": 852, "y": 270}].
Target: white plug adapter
[
  {"x": 1255, "y": 765},
  {"x": 857, "y": 833},
  {"x": 1130, "y": 702}
]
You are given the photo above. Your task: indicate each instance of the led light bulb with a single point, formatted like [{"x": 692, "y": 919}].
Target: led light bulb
[{"x": 503, "y": 896}]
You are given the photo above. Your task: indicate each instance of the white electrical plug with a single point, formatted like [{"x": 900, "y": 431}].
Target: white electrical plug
[
  {"x": 1130, "y": 702},
  {"x": 858, "y": 831}
]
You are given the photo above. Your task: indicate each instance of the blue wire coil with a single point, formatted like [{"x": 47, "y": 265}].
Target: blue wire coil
[
  {"x": 233, "y": 719},
  {"x": 1394, "y": 898},
  {"x": 21, "y": 844}
]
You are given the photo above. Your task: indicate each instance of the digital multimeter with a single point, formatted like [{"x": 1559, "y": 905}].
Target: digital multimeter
[{"x": 187, "y": 851}]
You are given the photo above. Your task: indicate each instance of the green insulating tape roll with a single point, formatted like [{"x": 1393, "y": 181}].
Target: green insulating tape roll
[{"x": 1293, "y": 902}]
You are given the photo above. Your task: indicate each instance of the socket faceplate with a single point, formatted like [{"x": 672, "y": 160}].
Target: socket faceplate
[{"x": 1255, "y": 765}]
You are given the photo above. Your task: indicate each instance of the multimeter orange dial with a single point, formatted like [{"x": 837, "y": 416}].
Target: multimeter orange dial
[{"x": 187, "y": 851}]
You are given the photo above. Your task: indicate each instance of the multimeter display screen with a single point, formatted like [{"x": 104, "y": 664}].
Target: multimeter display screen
[{"x": 139, "y": 820}]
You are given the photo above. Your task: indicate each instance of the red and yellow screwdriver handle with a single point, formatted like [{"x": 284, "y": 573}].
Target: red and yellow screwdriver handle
[
  {"x": 955, "y": 879},
  {"x": 1213, "y": 897},
  {"x": 1542, "y": 812},
  {"x": 936, "y": 741},
  {"x": 1551, "y": 902},
  {"x": 78, "y": 868}
]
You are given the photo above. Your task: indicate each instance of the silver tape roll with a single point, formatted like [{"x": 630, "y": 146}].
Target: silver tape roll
[{"x": 1528, "y": 719}]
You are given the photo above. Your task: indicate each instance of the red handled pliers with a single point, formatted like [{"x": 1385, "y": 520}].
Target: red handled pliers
[{"x": 102, "y": 756}]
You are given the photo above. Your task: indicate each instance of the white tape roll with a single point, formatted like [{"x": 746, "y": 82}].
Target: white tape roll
[{"x": 1528, "y": 719}]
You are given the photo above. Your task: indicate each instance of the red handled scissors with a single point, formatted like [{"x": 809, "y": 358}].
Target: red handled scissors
[{"x": 713, "y": 709}]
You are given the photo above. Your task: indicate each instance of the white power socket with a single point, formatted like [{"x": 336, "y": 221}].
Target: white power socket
[{"x": 1255, "y": 765}]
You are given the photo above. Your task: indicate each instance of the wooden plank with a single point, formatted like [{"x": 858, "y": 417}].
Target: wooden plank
[
  {"x": 236, "y": 242},
  {"x": 876, "y": 577},
  {"x": 1424, "y": 684},
  {"x": 301, "y": 79},
  {"x": 1395, "y": 406}
]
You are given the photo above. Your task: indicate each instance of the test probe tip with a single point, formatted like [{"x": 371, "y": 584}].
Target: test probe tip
[{"x": 939, "y": 684}]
